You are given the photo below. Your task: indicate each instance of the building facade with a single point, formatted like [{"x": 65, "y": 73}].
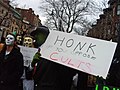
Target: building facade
[
  {"x": 20, "y": 21},
  {"x": 108, "y": 25},
  {"x": 5, "y": 16},
  {"x": 32, "y": 21}
]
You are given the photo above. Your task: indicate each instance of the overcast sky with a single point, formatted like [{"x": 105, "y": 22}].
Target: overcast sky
[{"x": 34, "y": 4}]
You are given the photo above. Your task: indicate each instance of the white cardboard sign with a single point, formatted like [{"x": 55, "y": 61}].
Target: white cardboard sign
[
  {"x": 86, "y": 54},
  {"x": 28, "y": 54}
]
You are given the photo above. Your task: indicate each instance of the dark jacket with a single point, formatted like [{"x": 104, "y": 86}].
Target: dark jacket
[
  {"x": 11, "y": 69},
  {"x": 53, "y": 76},
  {"x": 113, "y": 78}
]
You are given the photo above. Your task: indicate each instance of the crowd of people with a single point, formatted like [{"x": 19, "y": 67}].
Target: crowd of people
[
  {"x": 42, "y": 73},
  {"x": 46, "y": 75}
]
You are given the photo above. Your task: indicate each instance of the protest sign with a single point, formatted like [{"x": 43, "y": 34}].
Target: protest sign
[
  {"x": 105, "y": 87},
  {"x": 28, "y": 54},
  {"x": 86, "y": 54}
]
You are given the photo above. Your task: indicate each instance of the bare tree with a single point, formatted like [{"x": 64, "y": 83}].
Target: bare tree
[
  {"x": 64, "y": 15},
  {"x": 103, "y": 3},
  {"x": 14, "y": 3},
  {"x": 86, "y": 25}
]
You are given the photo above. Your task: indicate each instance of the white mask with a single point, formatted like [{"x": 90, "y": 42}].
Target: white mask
[{"x": 9, "y": 40}]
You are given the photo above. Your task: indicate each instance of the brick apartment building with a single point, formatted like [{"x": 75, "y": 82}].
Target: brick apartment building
[
  {"x": 108, "y": 25},
  {"x": 16, "y": 20},
  {"x": 29, "y": 18}
]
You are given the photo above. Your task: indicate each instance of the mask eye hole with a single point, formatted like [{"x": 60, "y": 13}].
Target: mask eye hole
[
  {"x": 11, "y": 38},
  {"x": 6, "y": 37}
]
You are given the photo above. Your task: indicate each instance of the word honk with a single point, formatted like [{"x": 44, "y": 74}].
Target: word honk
[{"x": 70, "y": 43}]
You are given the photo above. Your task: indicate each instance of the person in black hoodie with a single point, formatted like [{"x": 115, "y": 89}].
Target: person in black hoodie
[
  {"x": 11, "y": 65},
  {"x": 50, "y": 75}
]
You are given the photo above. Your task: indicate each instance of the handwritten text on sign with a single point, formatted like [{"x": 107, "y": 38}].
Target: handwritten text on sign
[
  {"x": 28, "y": 54},
  {"x": 86, "y": 54}
]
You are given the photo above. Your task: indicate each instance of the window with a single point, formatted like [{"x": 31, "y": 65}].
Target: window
[
  {"x": 6, "y": 13},
  {"x": 109, "y": 31},
  {"x": 118, "y": 9},
  {"x": 12, "y": 29},
  {"x": 114, "y": 11},
  {"x": 2, "y": 11}
]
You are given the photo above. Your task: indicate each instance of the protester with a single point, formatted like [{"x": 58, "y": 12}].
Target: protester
[
  {"x": 113, "y": 78},
  {"x": 50, "y": 75},
  {"x": 11, "y": 65},
  {"x": 28, "y": 82},
  {"x": 53, "y": 76}
]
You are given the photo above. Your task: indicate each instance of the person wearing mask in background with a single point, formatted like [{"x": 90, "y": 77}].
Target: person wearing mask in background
[
  {"x": 49, "y": 75},
  {"x": 11, "y": 64}
]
